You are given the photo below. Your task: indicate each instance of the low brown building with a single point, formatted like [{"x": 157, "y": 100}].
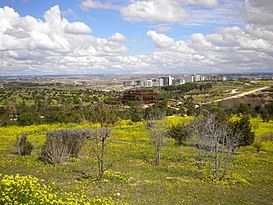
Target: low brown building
[{"x": 139, "y": 96}]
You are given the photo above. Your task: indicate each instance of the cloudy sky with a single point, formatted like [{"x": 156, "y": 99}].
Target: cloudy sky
[{"x": 135, "y": 36}]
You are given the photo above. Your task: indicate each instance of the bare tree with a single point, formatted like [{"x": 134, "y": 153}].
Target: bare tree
[
  {"x": 158, "y": 135},
  {"x": 107, "y": 117},
  {"x": 214, "y": 140},
  {"x": 99, "y": 149}
]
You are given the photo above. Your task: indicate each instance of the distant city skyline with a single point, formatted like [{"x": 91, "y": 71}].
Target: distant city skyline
[{"x": 134, "y": 37}]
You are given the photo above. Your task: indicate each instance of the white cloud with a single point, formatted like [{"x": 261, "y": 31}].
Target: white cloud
[
  {"x": 77, "y": 28},
  {"x": 163, "y": 29},
  {"x": 30, "y": 45},
  {"x": 161, "y": 40},
  {"x": 70, "y": 12},
  {"x": 95, "y": 4},
  {"x": 259, "y": 14},
  {"x": 117, "y": 37},
  {"x": 53, "y": 45},
  {"x": 229, "y": 49},
  {"x": 8, "y": 17},
  {"x": 154, "y": 11},
  {"x": 205, "y": 3},
  {"x": 226, "y": 13}
]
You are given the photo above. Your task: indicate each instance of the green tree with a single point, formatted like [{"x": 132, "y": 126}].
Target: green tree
[
  {"x": 180, "y": 133},
  {"x": 242, "y": 129},
  {"x": 244, "y": 108},
  {"x": 29, "y": 118}
]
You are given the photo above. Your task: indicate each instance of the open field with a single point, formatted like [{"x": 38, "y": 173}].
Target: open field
[{"x": 136, "y": 180}]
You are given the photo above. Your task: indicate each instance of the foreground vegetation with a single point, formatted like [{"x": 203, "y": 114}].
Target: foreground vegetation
[{"x": 133, "y": 178}]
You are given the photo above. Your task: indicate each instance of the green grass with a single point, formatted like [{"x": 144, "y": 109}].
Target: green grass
[{"x": 175, "y": 181}]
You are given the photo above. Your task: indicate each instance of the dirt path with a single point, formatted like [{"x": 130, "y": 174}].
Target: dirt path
[{"x": 240, "y": 94}]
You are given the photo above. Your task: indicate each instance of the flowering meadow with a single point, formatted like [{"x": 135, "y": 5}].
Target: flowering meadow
[{"x": 132, "y": 177}]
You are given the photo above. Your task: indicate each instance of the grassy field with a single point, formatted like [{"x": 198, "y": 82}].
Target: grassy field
[{"x": 133, "y": 177}]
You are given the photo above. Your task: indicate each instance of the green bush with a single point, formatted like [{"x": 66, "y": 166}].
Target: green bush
[
  {"x": 136, "y": 118},
  {"x": 242, "y": 128},
  {"x": 29, "y": 118},
  {"x": 180, "y": 133}
]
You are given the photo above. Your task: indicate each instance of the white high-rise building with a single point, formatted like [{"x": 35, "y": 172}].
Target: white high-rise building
[
  {"x": 160, "y": 82},
  {"x": 197, "y": 77},
  {"x": 189, "y": 78},
  {"x": 148, "y": 83},
  {"x": 170, "y": 80},
  {"x": 167, "y": 80}
]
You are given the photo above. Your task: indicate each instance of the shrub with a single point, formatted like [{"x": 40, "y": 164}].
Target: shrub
[
  {"x": 180, "y": 133},
  {"x": 242, "y": 128},
  {"x": 136, "y": 118},
  {"x": 265, "y": 117},
  {"x": 62, "y": 144},
  {"x": 29, "y": 118},
  {"x": 27, "y": 190},
  {"x": 74, "y": 139},
  {"x": 54, "y": 150},
  {"x": 23, "y": 146},
  {"x": 215, "y": 137}
]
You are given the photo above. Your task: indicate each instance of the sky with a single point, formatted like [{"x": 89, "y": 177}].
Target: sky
[{"x": 135, "y": 36}]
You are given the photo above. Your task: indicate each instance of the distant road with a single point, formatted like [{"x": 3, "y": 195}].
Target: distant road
[{"x": 240, "y": 94}]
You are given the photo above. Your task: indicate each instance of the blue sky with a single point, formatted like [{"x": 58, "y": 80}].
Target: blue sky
[
  {"x": 176, "y": 25},
  {"x": 107, "y": 22}
]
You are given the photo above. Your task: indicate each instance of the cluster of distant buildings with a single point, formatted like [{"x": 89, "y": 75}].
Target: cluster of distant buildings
[{"x": 164, "y": 81}]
